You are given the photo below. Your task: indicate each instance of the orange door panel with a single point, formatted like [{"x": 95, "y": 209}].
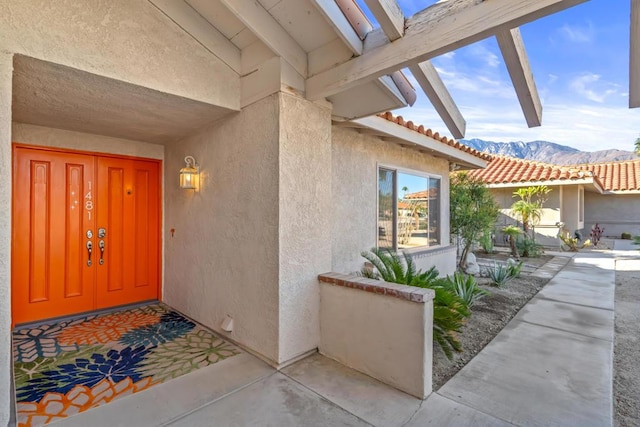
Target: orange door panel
[
  {"x": 50, "y": 272},
  {"x": 65, "y": 202},
  {"x": 128, "y": 214}
]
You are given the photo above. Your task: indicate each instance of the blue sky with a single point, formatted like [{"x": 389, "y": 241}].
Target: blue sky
[{"x": 580, "y": 61}]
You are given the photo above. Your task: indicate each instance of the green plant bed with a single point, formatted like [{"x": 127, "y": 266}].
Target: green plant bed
[{"x": 489, "y": 316}]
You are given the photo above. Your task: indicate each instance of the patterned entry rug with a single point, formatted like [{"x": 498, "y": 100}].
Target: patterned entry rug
[{"x": 70, "y": 366}]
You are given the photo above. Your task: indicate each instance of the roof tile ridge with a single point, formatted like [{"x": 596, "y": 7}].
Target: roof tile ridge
[{"x": 421, "y": 129}]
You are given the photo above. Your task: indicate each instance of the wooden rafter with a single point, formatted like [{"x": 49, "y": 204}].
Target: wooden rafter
[
  {"x": 340, "y": 24},
  {"x": 434, "y": 88},
  {"x": 634, "y": 56},
  {"x": 515, "y": 58},
  {"x": 389, "y": 16},
  {"x": 438, "y": 29},
  {"x": 255, "y": 17}
]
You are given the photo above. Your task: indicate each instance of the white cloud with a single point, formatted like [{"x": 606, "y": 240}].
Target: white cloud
[
  {"x": 578, "y": 34},
  {"x": 551, "y": 79},
  {"x": 482, "y": 52},
  {"x": 585, "y": 127},
  {"x": 585, "y": 85}
]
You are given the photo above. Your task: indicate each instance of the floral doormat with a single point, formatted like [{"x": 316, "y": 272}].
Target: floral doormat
[{"x": 70, "y": 366}]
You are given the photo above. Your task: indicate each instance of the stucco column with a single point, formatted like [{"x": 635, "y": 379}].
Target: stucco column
[
  {"x": 6, "y": 70},
  {"x": 304, "y": 224}
]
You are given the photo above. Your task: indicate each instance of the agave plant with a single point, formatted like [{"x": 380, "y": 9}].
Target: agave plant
[
  {"x": 499, "y": 274},
  {"x": 466, "y": 287},
  {"x": 449, "y": 310}
]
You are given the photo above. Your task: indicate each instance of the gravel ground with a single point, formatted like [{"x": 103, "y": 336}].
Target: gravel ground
[
  {"x": 489, "y": 316},
  {"x": 626, "y": 381}
]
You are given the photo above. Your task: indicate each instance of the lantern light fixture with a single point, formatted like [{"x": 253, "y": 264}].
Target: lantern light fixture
[{"x": 189, "y": 174}]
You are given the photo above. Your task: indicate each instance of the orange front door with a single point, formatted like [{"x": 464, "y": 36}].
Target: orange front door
[
  {"x": 85, "y": 233},
  {"x": 128, "y": 213}
]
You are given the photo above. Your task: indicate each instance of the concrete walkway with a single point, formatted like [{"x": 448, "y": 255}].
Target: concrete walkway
[{"x": 550, "y": 366}]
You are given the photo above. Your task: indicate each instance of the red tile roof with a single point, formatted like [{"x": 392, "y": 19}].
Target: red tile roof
[
  {"x": 509, "y": 170},
  {"x": 616, "y": 176},
  {"x": 435, "y": 135},
  {"x": 422, "y": 195}
]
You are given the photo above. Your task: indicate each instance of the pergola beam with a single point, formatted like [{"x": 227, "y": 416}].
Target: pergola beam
[
  {"x": 255, "y": 17},
  {"x": 515, "y": 58},
  {"x": 389, "y": 16},
  {"x": 433, "y": 86},
  {"x": 438, "y": 29},
  {"x": 634, "y": 56}
]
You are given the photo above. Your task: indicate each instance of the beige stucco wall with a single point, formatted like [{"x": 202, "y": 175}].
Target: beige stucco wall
[
  {"x": 128, "y": 40},
  {"x": 6, "y": 70},
  {"x": 355, "y": 159},
  {"x": 385, "y": 337},
  {"x": 252, "y": 241},
  {"x": 50, "y": 137},
  {"x": 546, "y": 230},
  {"x": 617, "y": 213},
  {"x": 223, "y": 257},
  {"x": 304, "y": 221}
]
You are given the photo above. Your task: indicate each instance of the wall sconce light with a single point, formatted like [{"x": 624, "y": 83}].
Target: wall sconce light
[{"x": 189, "y": 174}]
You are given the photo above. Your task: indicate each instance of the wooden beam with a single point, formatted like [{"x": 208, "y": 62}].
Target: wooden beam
[
  {"x": 340, "y": 24},
  {"x": 389, "y": 16},
  {"x": 433, "y": 86},
  {"x": 266, "y": 28},
  {"x": 438, "y": 29},
  {"x": 201, "y": 30},
  {"x": 634, "y": 56},
  {"x": 515, "y": 58}
]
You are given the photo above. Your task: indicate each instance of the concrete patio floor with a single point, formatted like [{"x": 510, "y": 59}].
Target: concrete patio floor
[{"x": 551, "y": 365}]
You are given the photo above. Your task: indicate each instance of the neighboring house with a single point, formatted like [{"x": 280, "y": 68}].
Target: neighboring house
[
  {"x": 103, "y": 103},
  {"x": 617, "y": 207},
  {"x": 581, "y": 196}
]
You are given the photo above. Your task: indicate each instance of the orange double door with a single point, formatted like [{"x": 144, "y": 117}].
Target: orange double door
[{"x": 85, "y": 232}]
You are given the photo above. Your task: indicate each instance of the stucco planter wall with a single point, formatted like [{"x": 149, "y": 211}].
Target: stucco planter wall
[{"x": 382, "y": 329}]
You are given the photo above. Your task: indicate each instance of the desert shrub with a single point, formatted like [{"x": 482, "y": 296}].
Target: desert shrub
[
  {"x": 499, "y": 274},
  {"x": 626, "y": 236},
  {"x": 486, "y": 242},
  {"x": 596, "y": 234},
  {"x": 528, "y": 247},
  {"x": 572, "y": 243},
  {"x": 449, "y": 310},
  {"x": 514, "y": 269},
  {"x": 466, "y": 287},
  {"x": 472, "y": 210}
]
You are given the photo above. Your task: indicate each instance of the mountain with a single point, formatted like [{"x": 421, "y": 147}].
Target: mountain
[{"x": 548, "y": 152}]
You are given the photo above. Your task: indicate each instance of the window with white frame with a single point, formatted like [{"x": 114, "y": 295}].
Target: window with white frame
[{"x": 408, "y": 209}]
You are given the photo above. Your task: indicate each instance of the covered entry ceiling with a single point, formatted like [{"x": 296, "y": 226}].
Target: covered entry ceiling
[{"x": 54, "y": 95}]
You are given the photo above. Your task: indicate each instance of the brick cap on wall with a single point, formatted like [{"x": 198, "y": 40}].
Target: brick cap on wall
[{"x": 405, "y": 292}]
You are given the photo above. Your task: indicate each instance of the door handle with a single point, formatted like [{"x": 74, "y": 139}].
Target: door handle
[
  {"x": 89, "y": 249},
  {"x": 101, "y": 246}
]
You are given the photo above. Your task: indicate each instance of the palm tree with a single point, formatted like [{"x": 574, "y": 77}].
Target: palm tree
[
  {"x": 513, "y": 232},
  {"x": 637, "y": 147},
  {"x": 529, "y": 208}
]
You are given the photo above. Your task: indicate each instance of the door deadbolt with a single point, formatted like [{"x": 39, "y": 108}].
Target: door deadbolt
[
  {"x": 101, "y": 233},
  {"x": 89, "y": 234}
]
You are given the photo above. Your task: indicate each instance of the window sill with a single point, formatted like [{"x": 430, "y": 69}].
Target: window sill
[{"x": 424, "y": 251}]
